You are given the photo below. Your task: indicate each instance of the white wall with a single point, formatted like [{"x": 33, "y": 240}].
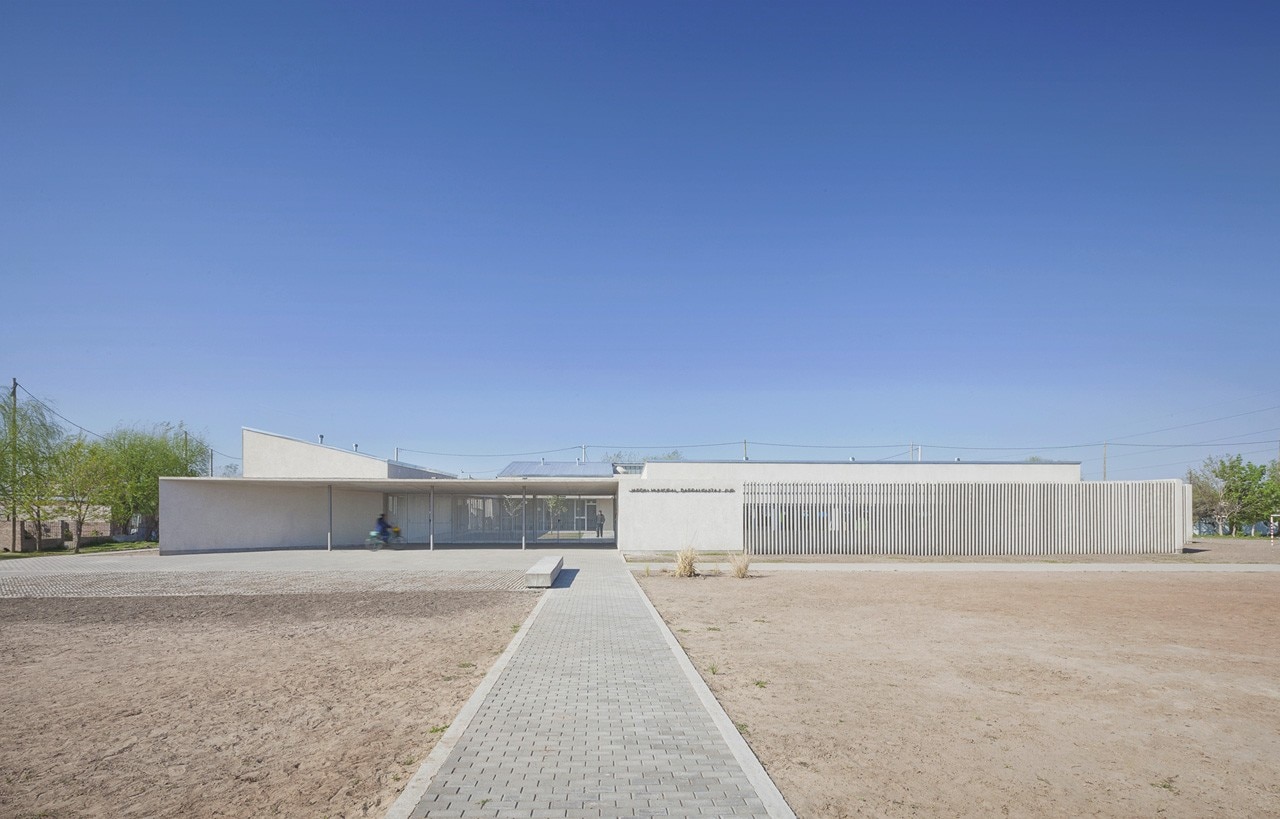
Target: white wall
[
  {"x": 276, "y": 456},
  {"x": 666, "y": 515},
  {"x": 671, "y": 506},
  {"x": 229, "y": 514},
  {"x": 654, "y": 514}
]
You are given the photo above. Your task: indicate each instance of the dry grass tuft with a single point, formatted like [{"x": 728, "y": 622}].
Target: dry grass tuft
[
  {"x": 741, "y": 565},
  {"x": 685, "y": 563}
]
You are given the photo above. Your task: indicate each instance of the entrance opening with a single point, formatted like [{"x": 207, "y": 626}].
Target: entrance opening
[{"x": 534, "y": 520}]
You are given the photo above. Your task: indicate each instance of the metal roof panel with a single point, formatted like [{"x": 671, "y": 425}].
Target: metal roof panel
[{"x": 556, "y": 469}]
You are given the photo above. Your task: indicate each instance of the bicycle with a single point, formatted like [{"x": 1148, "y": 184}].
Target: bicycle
[{"x": 375, "y": 541}]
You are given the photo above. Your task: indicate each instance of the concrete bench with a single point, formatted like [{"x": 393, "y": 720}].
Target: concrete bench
[{"x": 543, "y": 573}]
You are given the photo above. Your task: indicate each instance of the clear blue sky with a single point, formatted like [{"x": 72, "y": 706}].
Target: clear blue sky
[{"x": 491, "y": 228}]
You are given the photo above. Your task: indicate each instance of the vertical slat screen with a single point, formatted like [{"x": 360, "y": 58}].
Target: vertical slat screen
[{"x": 1118, "y": 517}]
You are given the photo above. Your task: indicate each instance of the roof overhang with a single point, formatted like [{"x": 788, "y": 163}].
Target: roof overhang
[{"x": 410, "y": 486}]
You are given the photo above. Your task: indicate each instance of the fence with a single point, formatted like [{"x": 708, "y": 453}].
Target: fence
[{"x": 1116, "y": 517}]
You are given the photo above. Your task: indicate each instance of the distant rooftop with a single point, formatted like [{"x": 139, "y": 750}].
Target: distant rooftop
[{"x": 556, "y": 469}]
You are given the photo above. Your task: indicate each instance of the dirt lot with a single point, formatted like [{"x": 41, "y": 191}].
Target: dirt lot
[
  {"x": 974, "y": 694},
  {"x": 1201, "y": 550},
  {"x": 292, "y": 705}
]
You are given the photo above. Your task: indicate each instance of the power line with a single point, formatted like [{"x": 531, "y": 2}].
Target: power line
[
  {"x": 682, "y": 446},
  {"x": 494, "y": 455},
  {"x": 1225, "y": 441},
  {"x": 1196, "y": 423},
  {"x": 44, "y": 404},
  {"x": 1011, "y": 448},
  {"x": 816, "y": 446},
  {"x": 1183, "y": 462},
  {"x": 561, "y": 449},
  {"x": 60, "y": 415},
  {"x": 1268, "y": 392},
  {"x": 1117, "y": 442},
  {"x": 1198, "y": 443},
  {"x": 891, "y": 457}
]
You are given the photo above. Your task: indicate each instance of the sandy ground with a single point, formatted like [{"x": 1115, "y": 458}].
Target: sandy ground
[
  {"x": 290, "y": 705},
  {"x": 1201, "y": 550},
  {"x": 978, "y": 694}
]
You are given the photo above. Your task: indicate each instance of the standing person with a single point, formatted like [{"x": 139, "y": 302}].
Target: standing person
[{"x": 599, "y": 524}]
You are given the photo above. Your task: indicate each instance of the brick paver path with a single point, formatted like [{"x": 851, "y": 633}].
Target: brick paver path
[{"x": 593, "y": 716}]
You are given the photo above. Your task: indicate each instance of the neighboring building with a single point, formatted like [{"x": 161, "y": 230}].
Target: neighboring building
[
  {"x": 58, "y": 531},
  {"x": 296, "y": 494}
]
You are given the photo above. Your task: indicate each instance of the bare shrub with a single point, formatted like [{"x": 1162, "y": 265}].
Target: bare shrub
[
  {"x": 741, "y": 564},
  {"x": 685, "y": 562}
]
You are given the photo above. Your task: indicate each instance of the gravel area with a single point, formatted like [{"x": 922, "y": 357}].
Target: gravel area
[{"x": 198, "y": 583}]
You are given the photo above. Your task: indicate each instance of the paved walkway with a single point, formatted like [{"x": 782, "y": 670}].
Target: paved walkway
[
  {"x": 391, "y": 559},
  {"x": 596, "y": 713}
]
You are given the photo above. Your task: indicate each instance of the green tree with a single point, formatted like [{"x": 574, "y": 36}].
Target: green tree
[
  {"x": 1206, "y": 495},
  {"x": 31, "y": 436},
  {"x": 556, "y": 505},
  {"x": 138, "y": 458},
  {"x": 1271, "y": 490},
  {"x": 1242, "y": 497},
  {"x": 625, "y": 456},
  {"x": 81, "y": 473}
]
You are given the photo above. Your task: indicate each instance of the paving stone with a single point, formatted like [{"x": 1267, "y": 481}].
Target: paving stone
[
  {"x": 596, "y": 717},
  {"x": 198, "y": 583}
]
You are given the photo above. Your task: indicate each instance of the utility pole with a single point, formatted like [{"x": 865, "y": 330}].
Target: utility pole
[
  {"x": 397, "y": 454},
  {"x": 584, "y": 453},
  {"x": 210, "y": 462},
  {"x": 13, "y": 468},
  {"x": 744, "y": 450}
]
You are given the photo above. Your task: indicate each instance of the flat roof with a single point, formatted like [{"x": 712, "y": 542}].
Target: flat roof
[
  {"x": 871, "y": 463},
  {"x": 450, "y": 486}
]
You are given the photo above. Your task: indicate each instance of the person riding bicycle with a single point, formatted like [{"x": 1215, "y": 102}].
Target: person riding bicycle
[{"x": 383, "y": 528}]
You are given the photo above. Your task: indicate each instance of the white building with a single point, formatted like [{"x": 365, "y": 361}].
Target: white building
[{"x": 297, "y": 494}]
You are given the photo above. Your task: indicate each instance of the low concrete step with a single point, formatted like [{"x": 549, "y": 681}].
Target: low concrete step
[{"x": 543, "y": 573}]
